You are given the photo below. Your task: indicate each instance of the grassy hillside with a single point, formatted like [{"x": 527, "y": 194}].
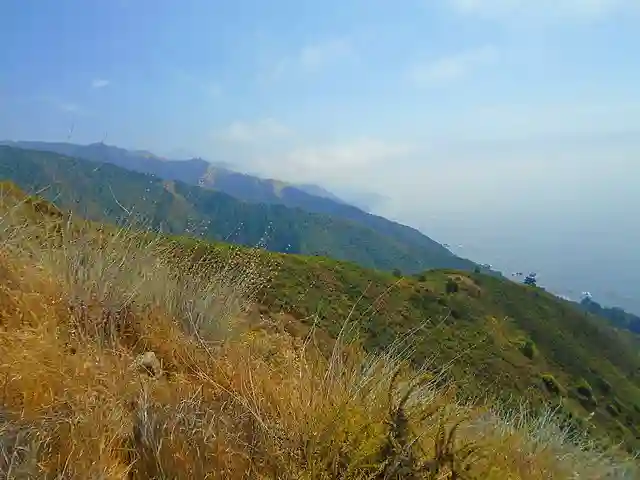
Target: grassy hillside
[
  {"x": 257, "y": 190},
  {"x": 107, "y": 192},
  {"x": 617, "y": 316},
  {"x": 501, "y": 339},
  {"x": 120, "y": 359}
]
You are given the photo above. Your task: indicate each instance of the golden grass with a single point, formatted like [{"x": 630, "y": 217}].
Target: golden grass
[{"x": 236, "y": 399}]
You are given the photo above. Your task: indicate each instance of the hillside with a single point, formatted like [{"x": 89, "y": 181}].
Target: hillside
[
  {"x": 487, "y": 326},
  {"x": 122, "y": 360},
  {"x": 107, "y": 192},
  {"x": 250, "y": 189},
  {"x": 502, "y": 339},
  {"x": 617, "y": 316}
]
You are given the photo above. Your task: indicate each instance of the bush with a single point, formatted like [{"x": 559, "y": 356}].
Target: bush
[
  {"x": 528, "y": 349},
  {"x": 585, "y": 395},
  {"x": 584, "y": 389},
  {"x": 552, "y": 385},
  {"x": 452, "y": 287},
  {"x": 603, "y": 385}
]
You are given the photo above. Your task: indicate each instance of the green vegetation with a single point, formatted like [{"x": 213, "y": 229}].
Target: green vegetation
[
  {"x": 478, "y": 331},
  {"x": 472, "y": 321},
  {"x": 584, "y": 389},
  {"x": 131, "y": 355},
  {"x": 451, "y": 286},
  {"x": 603, "y": 385},
  {"x": 617, "y": 316},
  {"x": 614, "y": 408},
  {"x": 584, "y": 394},
  {"x": 247, "y": 188},
  {"x": 528, "y": 349},
  {"x": 104, "y": 192},
  {"x": 552, "y": 384}
]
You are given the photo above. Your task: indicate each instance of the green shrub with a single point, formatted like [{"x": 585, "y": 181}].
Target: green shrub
[
  {"x": 551, "y": 384},
  {"x": 584, "y": 389},
  {"x": 528, "y": 349},
  {"x": 584, "y": 392},
  {"x": 452, "y": 287},
  {"x": 603, "y": 385}
]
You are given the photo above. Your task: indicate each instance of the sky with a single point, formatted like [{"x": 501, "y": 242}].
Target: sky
[{"x": 510, "y": 127}]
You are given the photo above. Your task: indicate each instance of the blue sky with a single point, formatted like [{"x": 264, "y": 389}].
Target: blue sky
[{"x": 471, "y": 116}]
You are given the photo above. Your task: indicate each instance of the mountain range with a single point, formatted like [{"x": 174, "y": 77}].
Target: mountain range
[
  {"x": 195, "y": 171},
  {"x": 225, "y": 206},
  {"x": 199, "y": 172}
]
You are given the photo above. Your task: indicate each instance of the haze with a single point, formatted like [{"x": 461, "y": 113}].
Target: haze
[{"x": 511, "y": 128}]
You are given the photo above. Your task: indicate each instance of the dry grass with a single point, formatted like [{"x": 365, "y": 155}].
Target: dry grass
[{"x": 235, "y": 400}]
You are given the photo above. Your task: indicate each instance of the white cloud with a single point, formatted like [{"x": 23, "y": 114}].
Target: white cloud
[
  {"x": 452, "y": 67},
  {"x": 541, "y": 9},
  {"x": 269, "y": 149},
  {"x": 260, "y": 131},
  {"x": 356, "y": 163},
  {"x": 346, "y": 158},
  {"x": 310, "y": 58},
  {"x": 99, "y": 83},
  {"x": 62, "y": 105},
  {"x": 69, "y": 107}
]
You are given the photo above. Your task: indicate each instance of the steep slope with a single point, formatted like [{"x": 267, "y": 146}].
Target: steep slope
[
  {"x": 122, "y": 359},
  {"x": 500, "y": 339},
  {"x": 107, "y": 192},
  {"x": 248, "y": 188},
  {"x": 503, "y": 339}
]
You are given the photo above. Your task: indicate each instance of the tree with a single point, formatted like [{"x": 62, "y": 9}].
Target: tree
[{"x": 531, "y": 280}]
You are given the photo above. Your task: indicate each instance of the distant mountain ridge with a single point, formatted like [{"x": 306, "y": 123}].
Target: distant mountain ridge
[
  {"x": 103, "y": 191},
  {"x": 195, "y": 171},
  {"x": 618, "y": 317},
  {"x": 251, "y": 189}
]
